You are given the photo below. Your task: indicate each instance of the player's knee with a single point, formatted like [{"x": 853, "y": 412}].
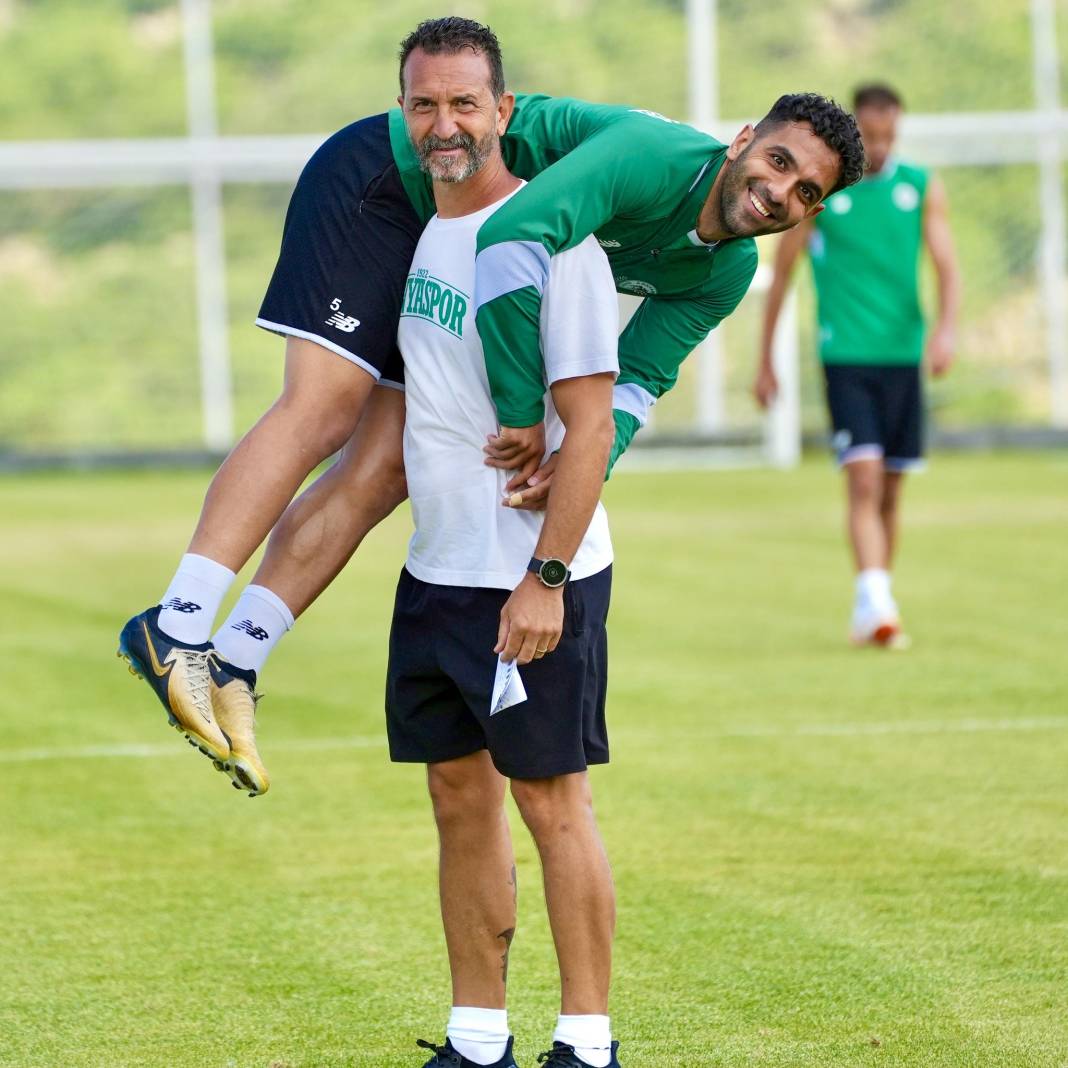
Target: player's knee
[
  {"x": 551, "y": 807},
  {"x": 457, "y": 795},
  {"x": 376, "y": 479},
  {"x": 865, "y": 483}
]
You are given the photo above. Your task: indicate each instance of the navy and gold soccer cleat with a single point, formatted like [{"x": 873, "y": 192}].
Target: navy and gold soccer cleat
[
  {"x": 234, "y": 699},
  {"x": 564, "y": 1056},
  {"x": 446, "y": 1057},
  {"x": 180, "y": 676}
]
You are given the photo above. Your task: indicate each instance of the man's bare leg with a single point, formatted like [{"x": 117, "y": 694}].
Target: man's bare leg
[
  {"x": 319, "y": 407},
  {"x": 476, "y": 876},
  {"x": 864, "y": 490},
  {"x": 477, "y": 884},
  {"x": 311, "y": 543},
  {"x": 889, "y": 512},
  {"x": 579, "y": 891},
  {"x": 875, "y": 617},
  {"x": 580, "y": 898},
  {"x": 324, "y": 526}
]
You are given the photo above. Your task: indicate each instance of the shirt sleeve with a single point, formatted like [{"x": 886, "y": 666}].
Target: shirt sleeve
[
  {"x": 579, "y": 325},
  {"x": 606, "y": 176}
]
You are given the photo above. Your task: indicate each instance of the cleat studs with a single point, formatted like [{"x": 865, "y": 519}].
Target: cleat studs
[{"x": 235, "y": 786}]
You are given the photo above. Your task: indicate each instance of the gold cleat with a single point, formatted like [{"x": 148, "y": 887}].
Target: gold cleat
[
  {"x": 180, "y": 678},
  {"x": 234, "y": 701}
]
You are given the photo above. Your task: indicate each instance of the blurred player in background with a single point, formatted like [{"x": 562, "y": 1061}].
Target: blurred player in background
[{"x": 865, "y": 252}]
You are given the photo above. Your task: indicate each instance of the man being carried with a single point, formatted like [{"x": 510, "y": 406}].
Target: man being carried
[
  {"x": 675, "y": 212},
  {"x": 482, "y": 580},
  {"x": 865, "y": 260}
]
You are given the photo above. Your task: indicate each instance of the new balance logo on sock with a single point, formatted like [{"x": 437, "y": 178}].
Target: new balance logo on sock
[
  {"x": 251, "y": 630},
  {"x": 175, "y": 604}
]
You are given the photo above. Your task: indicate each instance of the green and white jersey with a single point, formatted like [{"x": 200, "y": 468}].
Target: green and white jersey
[
  {"x": 865, "y": 250},
  {"x": 637, "y": 181}
]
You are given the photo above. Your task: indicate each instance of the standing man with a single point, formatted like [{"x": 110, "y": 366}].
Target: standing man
[
  {"x": 865, "y": 260},
  {"x": 491, "y": 594}
]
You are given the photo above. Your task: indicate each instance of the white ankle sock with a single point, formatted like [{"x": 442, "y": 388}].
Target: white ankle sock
[
  {"x": 480, "y": 1035},
  {"x": 873, "y": 589},
  {"x": 589, "y": 1036},
  {"x": 257, "y": 624},
  {"x": 192, "y": 599}
]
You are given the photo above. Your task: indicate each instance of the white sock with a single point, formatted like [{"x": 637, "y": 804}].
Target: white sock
[
  {"x": 192, "y": 599},
  {"x": 589, "y": 1036},
  {"x": 257, "y": 624},
  {"x": 873, "y": 590},
  {"x": 480, "y": 1035}
]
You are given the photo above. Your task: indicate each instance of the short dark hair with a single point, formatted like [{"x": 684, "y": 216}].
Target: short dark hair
[
  {"x": 876, "y": 95},
  {"x": 836, "y": 128},
  {"x": 450, "y": 35}
]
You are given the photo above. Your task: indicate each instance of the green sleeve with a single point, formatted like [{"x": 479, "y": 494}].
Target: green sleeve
[
  {"x": 627, "y": 426},
  {"x": 606, "y": 176}
]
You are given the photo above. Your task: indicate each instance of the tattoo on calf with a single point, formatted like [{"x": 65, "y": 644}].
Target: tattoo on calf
[{"x": 507, "y": 935}]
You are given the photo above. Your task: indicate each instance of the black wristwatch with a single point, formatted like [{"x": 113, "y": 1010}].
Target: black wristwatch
[{"x": 553, "y": 573}]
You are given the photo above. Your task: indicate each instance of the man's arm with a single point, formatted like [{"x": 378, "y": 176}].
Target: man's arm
[
  {"x": 766, "y": 386},
  {"x": 605, "y": 176},
  {"x": 942, "y": 342},
  {"x": 532, "y": 619}
]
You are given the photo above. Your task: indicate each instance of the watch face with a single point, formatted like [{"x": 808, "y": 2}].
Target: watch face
[{"x": 553, "y": 572}]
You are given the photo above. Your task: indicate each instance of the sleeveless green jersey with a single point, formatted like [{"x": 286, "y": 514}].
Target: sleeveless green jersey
[
  {"x": 865, "y": 250},
  {"x": 635, "y": 179}
]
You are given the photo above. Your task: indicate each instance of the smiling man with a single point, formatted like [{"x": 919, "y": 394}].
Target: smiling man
[{"x": 674, "y": 210}]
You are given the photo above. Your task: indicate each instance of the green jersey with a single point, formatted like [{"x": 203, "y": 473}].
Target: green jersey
[
  {"x": 865, "y": 250},
  {"x": 637, "y": 181}
]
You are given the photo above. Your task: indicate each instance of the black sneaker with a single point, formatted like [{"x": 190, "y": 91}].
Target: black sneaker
[
  {"x": 446, "y": 1057},
  {"x": 179, "y": 675},
  {"x": 561, "y": 1056}
]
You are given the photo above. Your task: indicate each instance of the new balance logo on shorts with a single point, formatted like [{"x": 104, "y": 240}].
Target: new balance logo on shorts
[
  {"x": 348, "y": 323},
  {"x": 175, "y": 604},
  {"x": 251, "y": 630}
]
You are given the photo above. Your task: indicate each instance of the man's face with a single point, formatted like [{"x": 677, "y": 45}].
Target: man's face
[
  {"x": 453, "y": 120},
  {"x": 878, "y": 130},
  {"x": 776, "y": 179}
]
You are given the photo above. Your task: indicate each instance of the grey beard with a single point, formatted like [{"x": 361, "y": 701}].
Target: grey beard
[{"x": 454, "y": 172}]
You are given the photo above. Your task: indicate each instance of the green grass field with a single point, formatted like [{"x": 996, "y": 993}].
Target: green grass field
[{"x": 824, "y": 856}]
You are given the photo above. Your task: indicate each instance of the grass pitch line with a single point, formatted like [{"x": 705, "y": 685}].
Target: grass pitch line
[
  {"x": 373, "y": 741},
  {"x": 144, "y": 752}
]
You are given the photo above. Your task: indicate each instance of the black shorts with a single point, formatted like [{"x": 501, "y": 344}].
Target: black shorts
[
  {"x": 441, "y": 672},
  {"x": 347, "y": 244},
  {"x": 877, "y": 413}
]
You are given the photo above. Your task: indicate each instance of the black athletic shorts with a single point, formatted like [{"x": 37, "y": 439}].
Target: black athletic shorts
[
  {"x": 877, "y": 413},
  {"x": 441, "y": 671},
  {"x": 348, "y": 241}
]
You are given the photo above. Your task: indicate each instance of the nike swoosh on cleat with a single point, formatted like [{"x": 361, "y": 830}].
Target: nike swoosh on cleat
[{"x": 160, "y": 671}]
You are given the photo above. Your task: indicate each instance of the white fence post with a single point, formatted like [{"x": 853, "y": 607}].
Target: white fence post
[
  {"x": 711, "y": 413},
  {"x": 784, "y": 418},
  {"x": 216, "y": 390},
  {"x": 1053, "y": 254}
]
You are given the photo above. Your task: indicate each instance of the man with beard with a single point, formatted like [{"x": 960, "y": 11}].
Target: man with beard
[
  {"x": 481, "y": 580},
  {"x": 675, "y": 212}
]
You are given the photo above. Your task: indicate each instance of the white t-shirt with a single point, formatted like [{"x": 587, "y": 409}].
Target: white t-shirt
[{"x": 463, "y": 536}]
